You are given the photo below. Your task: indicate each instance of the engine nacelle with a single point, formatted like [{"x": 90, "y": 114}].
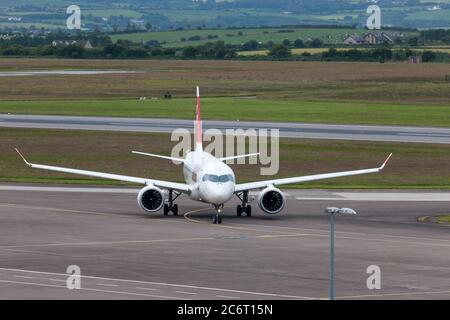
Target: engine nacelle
[
  {"x": 271, "y": 200},
  {"x": 150, "y": 199}
]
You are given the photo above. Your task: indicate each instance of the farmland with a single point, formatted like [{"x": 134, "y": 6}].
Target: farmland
[
  {"x": 369, "y": 93},
  {"x": 239, "y": 36},
  {"x": 191, "y": 15},
  {"x": 308, "y": 81}
]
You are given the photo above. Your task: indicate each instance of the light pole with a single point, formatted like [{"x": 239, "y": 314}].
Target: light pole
[{"x": 332, "y": 211}]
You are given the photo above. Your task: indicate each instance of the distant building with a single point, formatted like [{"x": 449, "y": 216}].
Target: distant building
[
  {"x": 378, "y": 38},
  {"x": 434, "y": 8},
  {"x": 372, "y": 38},
  {"x": 85, "y": 44},
  {"x": 15, "y": 19},
  {"x": 5, "y": 37},
  {"x": 354, "y": 39}
]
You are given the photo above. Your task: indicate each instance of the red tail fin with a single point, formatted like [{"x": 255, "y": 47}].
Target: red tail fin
[{"x": 198, "y": 123}]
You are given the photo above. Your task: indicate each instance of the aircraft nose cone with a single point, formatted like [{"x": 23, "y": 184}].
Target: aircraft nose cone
[{"x": 218, "y": 193}]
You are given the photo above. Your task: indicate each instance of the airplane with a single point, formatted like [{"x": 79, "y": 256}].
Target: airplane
[{"x": 207, "y": 179}]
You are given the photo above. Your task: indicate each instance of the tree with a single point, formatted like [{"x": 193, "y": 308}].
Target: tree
[
  {"x": 298, "y": 43},
  {"x": 148, "y": 26},
  {"x": 280, "y": 51},
  {"x": 413, "y": 41},
  {"x": 114, "y": 50},
  {"x": 428, "y": 56},
  {"x": 286, "y": 42},
  {"x": 137, "y": 53},
  {"x": 316, "y": 43},
  {"x": 189, "y": 52},
  {"x": 250, "y": 45}
]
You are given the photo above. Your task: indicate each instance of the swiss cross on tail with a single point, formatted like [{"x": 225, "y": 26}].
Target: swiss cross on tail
[{"x": 198, "y": 125}]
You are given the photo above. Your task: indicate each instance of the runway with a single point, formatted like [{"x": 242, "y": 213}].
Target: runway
[
  {"x": 62, "y": 72},
  {"x": 124, "y": 253},
  {"x": 289, "y": 130}
]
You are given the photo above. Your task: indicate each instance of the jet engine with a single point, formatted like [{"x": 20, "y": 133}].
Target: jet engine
[
  {"x": 150, "y": 199},
  {"x": 271, "y": 200}
]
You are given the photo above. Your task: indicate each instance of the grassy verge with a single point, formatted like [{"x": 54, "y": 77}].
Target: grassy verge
[
  {"x": 444, "y": 219},
  {"x": 246, "y": 109},
  {"x": 412, "y": 166}
]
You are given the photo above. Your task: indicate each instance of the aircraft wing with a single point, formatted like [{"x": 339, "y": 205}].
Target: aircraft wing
[
  {"x": 158, "y": 183},
  {"x": 263, "y": 184}
]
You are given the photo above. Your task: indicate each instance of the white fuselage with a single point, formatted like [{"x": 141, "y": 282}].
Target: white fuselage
[{"x": 210, "y": 180}]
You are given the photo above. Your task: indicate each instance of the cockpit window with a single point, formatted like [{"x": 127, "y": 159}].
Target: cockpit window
[{"x": 214, "y": 178}]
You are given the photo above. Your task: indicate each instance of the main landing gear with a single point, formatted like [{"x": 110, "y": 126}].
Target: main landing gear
[
  {"x": 217, "y": 219},
  {"x": 244, "y": 207},
  {"x": 170, "y": 206}
]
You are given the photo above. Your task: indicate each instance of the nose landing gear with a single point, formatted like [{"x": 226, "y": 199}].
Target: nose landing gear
[
  {"x": 245, "y": 207},
  {"x": 217, "y": 219}
]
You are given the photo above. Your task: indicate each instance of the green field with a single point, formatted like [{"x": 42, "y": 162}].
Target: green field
[
  {"x": 106, "y": 13},
  {"x": 444, "y": 219},
  {"x": 430, "y": 15},
  {"x": 246, "y": 109},
  {"x": 173, "y": 38},
  {"x": 412, "y": 165},
  {"x": 28, "y": 25}
]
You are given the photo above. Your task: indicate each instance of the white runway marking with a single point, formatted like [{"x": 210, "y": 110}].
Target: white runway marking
[
  {"x": 326, "y": 232},
  {"x": 192, "y": 287},
  {"x": 107, "y": 284},
  {"x": 424, "y": 134},
  {"x": 226, "y": 297},
  {"x": 96, "y": 290},
  {"x": 96, "y": 243},
  {"x": 382, "y": 196},
  {"x": 63, "y": 72},
  {"x": 25, "y": 277},
  {"x": 393, "y": 294},
  {"x": 69, "y": 189},
  {"x": 142, "y": 288},
  {"x": 185, "y": 292}
]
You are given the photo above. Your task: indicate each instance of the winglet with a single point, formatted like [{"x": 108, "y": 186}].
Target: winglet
[
  {"x": 23, "y": 158},
  {"x": 385, "y": 162}
]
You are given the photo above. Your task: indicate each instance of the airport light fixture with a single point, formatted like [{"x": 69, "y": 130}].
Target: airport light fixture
[{"x": 333, "y": 211}]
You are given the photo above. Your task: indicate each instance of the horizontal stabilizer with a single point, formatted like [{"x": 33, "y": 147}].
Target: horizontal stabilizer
[
  {"x": 158, "y": 156},
  {"x": 238, "y": 157}
]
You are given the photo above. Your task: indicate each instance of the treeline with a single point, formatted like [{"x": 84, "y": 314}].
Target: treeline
[
  {"x": 125, "y": 49},
  {"x": 121, "y": 50},
  {"x": 280, "y": 52},
  {"x": 382, "y": 55},
  {"x": 220, "y": 50},
  {"x": 436, "y": 35}
]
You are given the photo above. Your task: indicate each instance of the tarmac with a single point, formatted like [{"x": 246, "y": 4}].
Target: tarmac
[
  {"x": 286, "y": 129},
  {"x": 125, "y": 253}
]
